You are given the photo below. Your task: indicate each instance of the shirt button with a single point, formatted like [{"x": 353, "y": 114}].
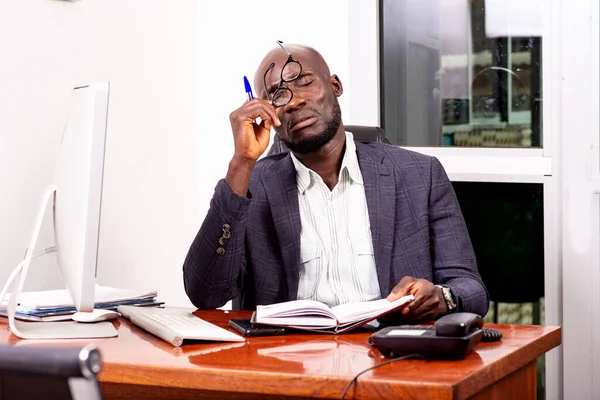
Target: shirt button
[
  {"x": 220, "y": 251},
  {"x": 329, "y": 202}
]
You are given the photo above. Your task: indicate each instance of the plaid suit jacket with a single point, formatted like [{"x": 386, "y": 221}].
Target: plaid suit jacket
[{"x": 416, "y": 224}]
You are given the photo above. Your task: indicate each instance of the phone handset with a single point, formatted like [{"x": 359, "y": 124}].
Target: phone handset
[
  {"x": 458, "y": 324},
  {"x": 464, "y": 323}
]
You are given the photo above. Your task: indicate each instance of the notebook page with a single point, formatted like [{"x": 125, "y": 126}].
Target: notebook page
[
  {"x": 354, "y": 312},
  {"x": 293, "y": 308}
]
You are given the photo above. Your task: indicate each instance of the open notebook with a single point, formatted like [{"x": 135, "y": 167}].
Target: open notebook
[{"x": 315, "y": 316}]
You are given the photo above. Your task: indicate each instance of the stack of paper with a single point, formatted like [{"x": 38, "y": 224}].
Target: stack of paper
[{"x": 57, "y": 305}]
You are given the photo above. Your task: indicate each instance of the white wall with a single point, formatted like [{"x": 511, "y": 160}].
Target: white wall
[
  {"x": 176, "y": 71},
  {"x": 577, "y": 25}
]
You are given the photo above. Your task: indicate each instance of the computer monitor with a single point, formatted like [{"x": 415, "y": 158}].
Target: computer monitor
[
  {"x": 77, "y": 200},
  {"x": 76, "y": 195}
]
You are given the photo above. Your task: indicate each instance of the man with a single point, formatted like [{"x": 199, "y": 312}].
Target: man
[{"x": 333, "y": 220}]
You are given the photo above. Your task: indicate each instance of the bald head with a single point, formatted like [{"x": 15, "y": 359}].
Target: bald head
[
  {"x": 305, "y": 100},
  {"x": 308, "y": 57}
]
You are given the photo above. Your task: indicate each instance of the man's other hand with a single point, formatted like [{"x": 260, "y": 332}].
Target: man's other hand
[{"x": 428, "y": 304}]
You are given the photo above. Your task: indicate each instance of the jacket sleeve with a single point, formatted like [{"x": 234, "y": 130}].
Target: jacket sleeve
[
  {"x": 454, "y": 263},
  {"x": 212, "y": 269}
]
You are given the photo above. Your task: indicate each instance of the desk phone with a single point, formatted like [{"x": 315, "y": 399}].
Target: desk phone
[{"x": 454, "y": 336}]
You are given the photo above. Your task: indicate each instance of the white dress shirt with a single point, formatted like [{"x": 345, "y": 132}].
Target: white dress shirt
[{"x": 337, "y": 263}]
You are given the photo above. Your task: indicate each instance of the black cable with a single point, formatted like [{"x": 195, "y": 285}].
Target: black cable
[
  {"x": 491, "y": 335},
  {"x": 373, "y": 367}
]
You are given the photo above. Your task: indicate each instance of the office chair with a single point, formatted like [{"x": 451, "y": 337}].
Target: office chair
[
  {"x": 506, "y": 226},
  {"x": 361, "y": 133},
  {"x": 61, "y": 373}
]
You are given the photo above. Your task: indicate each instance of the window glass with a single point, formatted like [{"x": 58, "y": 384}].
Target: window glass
[{"x": 451, "y": 77}]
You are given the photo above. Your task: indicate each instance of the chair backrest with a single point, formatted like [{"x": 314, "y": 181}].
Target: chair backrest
[
  {"x": 506, "y": 226},
  {"x": 62, "y": 373},
  {"x": 361, "y": 133}
]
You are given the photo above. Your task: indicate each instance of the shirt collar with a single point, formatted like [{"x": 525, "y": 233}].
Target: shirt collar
[
  {"x": 350, "y": 160},
  {"x": 349, "y": 163},
  {"x": 302, "y": 174}
]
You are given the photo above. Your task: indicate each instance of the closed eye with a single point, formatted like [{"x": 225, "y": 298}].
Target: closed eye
[{"x": 305, "y": 81}]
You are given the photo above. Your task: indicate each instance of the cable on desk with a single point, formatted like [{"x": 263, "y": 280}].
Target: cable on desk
[
  {"x": 18, "y": 268},
  {"x": 373, "y": 367},
  {"x": 491, "y": 335}
]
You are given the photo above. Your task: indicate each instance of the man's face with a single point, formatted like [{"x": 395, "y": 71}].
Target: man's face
[{"x": 312, "y": 117}]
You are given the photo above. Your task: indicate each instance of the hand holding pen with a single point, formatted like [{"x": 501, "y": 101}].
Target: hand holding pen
[
  {"x": 251, "y": 139},
  {"x": 267, "y": 119}
]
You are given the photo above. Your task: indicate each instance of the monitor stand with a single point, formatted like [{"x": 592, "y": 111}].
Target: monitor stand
[{"x": 47, "y": 330}]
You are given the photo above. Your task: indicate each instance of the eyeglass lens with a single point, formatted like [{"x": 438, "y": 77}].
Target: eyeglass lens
[
  {"x": 283, "y": 95},
  {"x": 291, "y": 71}
]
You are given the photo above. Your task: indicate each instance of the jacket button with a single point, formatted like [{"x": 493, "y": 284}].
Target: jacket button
[
  {"x": 222, "y": 241},
  {"x": 226, "y": 227},
  {"x": 226, "y": 234},
  {"x": 220, "y": 251}
]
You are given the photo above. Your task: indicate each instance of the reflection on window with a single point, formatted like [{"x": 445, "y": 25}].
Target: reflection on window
[{"x": 445, "y": 81}]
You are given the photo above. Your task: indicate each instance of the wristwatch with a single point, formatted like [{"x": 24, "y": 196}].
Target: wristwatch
[{"x": 448, "y": 297}]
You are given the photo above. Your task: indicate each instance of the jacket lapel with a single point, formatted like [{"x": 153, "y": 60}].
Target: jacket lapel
[
  {"x": 282, "y": 191},
  {"x": 380, "y": 191}
]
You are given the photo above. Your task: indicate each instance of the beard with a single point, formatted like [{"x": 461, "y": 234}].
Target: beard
[{"x": 315, "y": 142}]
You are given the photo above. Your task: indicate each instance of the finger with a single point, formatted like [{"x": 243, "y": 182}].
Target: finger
[
  {"x": 262, "y": 132},
  {"x": 424, "y": 307},
  {"x": 418, "y": 302},
  {"x": 429, "y": 315},
  {"x": 391, "y": 318},
  {"x": 265, "y": 121},
  {"x": 268, "y": 109},
  {"x": 402, "y": 288},
  {"x": 274, "y": 116},
  {"x": 429, "y": 309},
  {"x": 253, "y": 109},
  {"x": 422, "y": 290}
]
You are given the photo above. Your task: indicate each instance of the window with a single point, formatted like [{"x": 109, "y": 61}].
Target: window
[
  {"x": 462, "y": 80},
  {"x": 446, "y": 81}
]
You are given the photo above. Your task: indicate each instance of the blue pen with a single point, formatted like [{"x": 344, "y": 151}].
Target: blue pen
[{"x": 248, "y": 89}]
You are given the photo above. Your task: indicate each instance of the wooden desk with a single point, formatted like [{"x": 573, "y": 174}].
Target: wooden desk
[{"x": 140, "y": 366}]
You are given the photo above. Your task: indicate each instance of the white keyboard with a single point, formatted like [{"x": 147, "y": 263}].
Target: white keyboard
[{"x": 191, "y": 327}]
